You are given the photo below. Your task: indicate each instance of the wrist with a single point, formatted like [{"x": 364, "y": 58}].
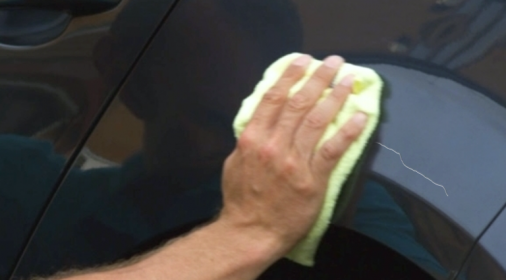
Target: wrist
[{"x": 261, "y": 248}]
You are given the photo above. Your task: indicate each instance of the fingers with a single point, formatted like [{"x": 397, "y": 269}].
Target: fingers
[
  {"x": 267, "y": 112},
  {"x": 316, "y": 121},
  {"x": 304, "y": 100},
  {"x": 326, "y": 158}
]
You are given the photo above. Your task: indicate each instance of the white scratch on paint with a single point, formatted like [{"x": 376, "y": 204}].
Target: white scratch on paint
[{"x": 412, "y": 168}]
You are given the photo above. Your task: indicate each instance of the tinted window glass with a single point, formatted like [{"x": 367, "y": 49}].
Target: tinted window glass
[{"x": 53, "y": 83}]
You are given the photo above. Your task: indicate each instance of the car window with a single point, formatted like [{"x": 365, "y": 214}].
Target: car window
[{"x": 54, "y": 82}]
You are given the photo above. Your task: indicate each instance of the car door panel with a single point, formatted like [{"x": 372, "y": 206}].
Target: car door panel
[
  {"x": 487, "y": 260},
  {"x": 422, "y": 192},
  {"x": 417, "y": 167},
  {"x": 51, "y": 92},
  {"x": 442, "y": 125}
]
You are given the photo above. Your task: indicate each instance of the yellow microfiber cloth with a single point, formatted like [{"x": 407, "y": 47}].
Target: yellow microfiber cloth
[{"x": 366, "y": 97}]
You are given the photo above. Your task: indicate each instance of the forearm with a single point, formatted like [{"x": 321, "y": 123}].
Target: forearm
[
  {"x": 214, "y": 252},
  {"x": 274, "y": 185}
]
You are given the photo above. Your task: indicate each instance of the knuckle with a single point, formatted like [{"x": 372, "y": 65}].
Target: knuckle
[
  {"x": 315, "y": 120},
  {"x": 330, "y": 152},
  {"x": 275, "y": 95},
  {"x": 228, "y": 162},
  {"x": 293, "y": 72},
  {"x": 322, "y": 77},
  {"x": 339, "y": 93},
  {"x": 306, "y": 188},
  {"x": 290, "y": 165},
  {"x": 258, "y": 117},
  {"x": 268, "y": 152},
  {"x": 298, "y": 102},
  {"x": 348, "y": 133},
  {"x": 246, "y": 140}
]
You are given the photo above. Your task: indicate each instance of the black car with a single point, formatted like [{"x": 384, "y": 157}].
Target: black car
[{"x": 116, "y": 117}]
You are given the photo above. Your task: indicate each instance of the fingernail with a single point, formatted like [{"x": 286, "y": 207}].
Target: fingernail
[
  {"x": 348, "y": 81},
  {"x": 333, "y": 61},
  {"x": 360, "y": 118},
  {"x": 302, "y": 60}
]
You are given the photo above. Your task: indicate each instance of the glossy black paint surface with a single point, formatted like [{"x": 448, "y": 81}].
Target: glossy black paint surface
[
  {"x": 488, "y": 259},
  {"x": 442, "y": 62},
  {"x": 74, "y": 7},
  {"x": 419, "y": 126},
  {"x": 443, "y": 111},
  {"x": 175, "y": 179},
  {"x": 50, "y": 94}
]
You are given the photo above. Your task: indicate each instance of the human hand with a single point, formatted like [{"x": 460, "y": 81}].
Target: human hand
[{"x": 274, "y": 182}]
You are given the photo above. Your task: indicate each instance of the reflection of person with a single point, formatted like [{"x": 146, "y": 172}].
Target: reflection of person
[
  {"x": 273, "y": 187},
  {"x": 379, "y": 216},
  {"x": 187, "y": 102},
  {"x": 209, "y": 56}
]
